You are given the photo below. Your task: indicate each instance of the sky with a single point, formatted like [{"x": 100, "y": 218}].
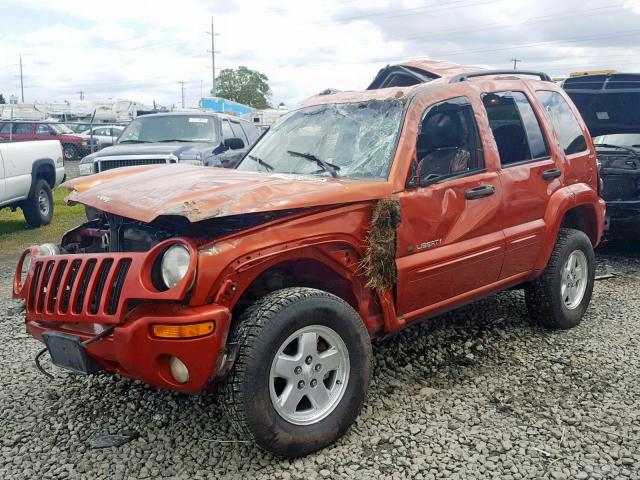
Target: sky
[{"x": 140, "y": 50}]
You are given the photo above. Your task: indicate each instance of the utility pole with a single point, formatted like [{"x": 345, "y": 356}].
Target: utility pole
[
  {"x": 213, "y": 59},
  {"x": 182, "y": 84},
  {"x": 515, "y": 63},
  {"x": 21, "y": 80},
  {"x": 81, "y": 92}
]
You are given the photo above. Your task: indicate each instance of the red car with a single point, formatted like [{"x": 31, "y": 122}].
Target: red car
[
  {"x": 73, "y": 146},
  {"x": 357, "y": 215}
]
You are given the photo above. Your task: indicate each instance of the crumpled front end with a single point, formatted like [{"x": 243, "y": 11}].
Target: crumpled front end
[{"x": 124, "y": 320}]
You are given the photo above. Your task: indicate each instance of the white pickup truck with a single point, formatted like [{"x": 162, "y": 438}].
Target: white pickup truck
[{"x": 28, "y": 172}]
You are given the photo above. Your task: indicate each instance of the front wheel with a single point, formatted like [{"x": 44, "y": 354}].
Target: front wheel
[
  {"x": 70, "y": 152},
  {"x": 559, "y": 298},
  {"x": 301, "y": 372}
]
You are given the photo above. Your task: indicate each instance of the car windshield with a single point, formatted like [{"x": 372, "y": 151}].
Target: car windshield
[
  {"x": 179, "y": 128},
  {"x": 61, "y": 128},
  {"x": 618, "y": 139},
  {"x": 349, "y": 140}
]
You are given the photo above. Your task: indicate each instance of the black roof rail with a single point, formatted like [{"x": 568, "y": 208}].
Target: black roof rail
[{"x": 483, "y": 73}]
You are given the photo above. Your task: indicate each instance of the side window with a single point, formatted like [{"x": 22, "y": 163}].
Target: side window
[
  {"x": 237, "y": 132},
  {"x": 42, "y": 129},
  {"x": 515, "y": 127},
  {"x": 6, "y": 129},
  {"x": 564, "y": 121},
  {"x": 448, "y": 141},
  {"x": 226, "y": 130},
  {"x": 249, "y": 131},
  {"x": 22, "y": 129}
]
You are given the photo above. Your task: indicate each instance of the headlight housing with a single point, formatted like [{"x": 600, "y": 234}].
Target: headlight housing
[
  {"x": 85, "y": 169},
  {"x": 26, "y": 263},
  {"x": 191, "y": 162},
  {"x": 174, "y": 264}
]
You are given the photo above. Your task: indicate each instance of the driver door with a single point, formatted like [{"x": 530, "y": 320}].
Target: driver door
[{"x": 450, "y": 240}]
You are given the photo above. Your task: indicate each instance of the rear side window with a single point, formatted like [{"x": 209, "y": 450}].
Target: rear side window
[
  {"x": 515, "y": 127},
  {"x": 22, "y": 129},
  {"x": 6, "y": 128},
  {"x": 564, "y": 121}
]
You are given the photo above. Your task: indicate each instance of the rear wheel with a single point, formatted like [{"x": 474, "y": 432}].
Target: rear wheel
[
  {"x": 38, "y": 207},
  {"x": 559, "y": 298},
  {"x": 301, "y": 373}
]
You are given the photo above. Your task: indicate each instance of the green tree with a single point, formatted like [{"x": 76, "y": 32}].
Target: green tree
[
  {"x": 245, "y": 86},
  {"x": 2, "y": 100}
]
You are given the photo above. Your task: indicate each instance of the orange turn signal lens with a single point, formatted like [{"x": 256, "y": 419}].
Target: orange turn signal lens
[{"x": 190, "y": 330}]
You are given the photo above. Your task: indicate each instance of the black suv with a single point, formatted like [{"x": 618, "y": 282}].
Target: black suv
[{"x": 195, "y": 138}]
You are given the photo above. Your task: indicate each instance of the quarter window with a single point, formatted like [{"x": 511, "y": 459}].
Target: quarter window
[
  {"x": 515, "y": 127},
  {"x": 564, "y": 121},
  {"x": 448, "y": 142}
]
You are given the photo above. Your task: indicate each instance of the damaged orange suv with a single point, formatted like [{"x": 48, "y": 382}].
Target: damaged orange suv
[{"x": 355, "y": 216}]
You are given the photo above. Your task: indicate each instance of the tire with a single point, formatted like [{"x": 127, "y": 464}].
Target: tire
[
  {"x": 253, "y": 386},
  {"x": 69, "y": 151},
  {"x": 38, "y": 207},
  {"x": 549, "y": 302}
]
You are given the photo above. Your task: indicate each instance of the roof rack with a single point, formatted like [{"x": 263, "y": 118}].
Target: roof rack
[{"x": 465, "y": 76}]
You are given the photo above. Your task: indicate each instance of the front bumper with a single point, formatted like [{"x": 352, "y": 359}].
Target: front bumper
[{"x": 132, "y": 351}]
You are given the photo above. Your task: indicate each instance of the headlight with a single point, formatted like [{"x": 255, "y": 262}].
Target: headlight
[
  {"x": 85, "y": 168},
  {"x": 174, "y": 265},
  {"x": 191, "y": 162}
]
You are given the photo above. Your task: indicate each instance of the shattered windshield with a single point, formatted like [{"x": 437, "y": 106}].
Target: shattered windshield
[
  {"x": 165, "y": 128},
  {"x": 348, "y": 140}
]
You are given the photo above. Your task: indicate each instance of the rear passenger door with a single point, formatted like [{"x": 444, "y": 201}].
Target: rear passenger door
[{"x": 529, "y": 175}]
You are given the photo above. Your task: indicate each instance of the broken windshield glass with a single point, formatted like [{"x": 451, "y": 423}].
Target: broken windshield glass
[{"x": 355, "y": 140}]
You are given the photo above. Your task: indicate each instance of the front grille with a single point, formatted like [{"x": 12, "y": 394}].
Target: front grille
[
  {"x": 81, "y": 286},
  {"x": 131, "y": 162}
]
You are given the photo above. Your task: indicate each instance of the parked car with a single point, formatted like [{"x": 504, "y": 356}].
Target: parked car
[
  {"x": 609, "y": 104},
  {"x": 355, "y": 216},
  {"x": 102, "y": 135},
  {"x": 28, "y": 173},
  {"x": 73, "y": 146},
  {"x": 196, "y": 138}
]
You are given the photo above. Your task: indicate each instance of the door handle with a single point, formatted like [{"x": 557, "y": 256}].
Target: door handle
[
  {"x": 480, "y": 192},
  {"x": 551, "y": 174}
]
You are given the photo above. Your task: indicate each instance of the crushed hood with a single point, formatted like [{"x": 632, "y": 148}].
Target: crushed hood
[{"x": 200, "y": 193}]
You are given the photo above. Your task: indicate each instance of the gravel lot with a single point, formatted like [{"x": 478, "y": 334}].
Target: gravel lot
[{"x": 479, "y": 393}]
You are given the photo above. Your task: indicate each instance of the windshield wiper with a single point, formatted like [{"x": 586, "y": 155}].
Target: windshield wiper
[
  {"x": 134, "y": 141},
  {"x": 326, "y": 166},
  {"x": 627, "y": 149},
  {"x": 259, "y": 161},
  {"x": 166, "y": 140}
]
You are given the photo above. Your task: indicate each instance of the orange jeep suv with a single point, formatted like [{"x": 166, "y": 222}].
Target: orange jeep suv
[{"x": 355, "y": 216}]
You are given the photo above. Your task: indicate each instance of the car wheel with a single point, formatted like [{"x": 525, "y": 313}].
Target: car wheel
[
  {"x": 301, "y": 372},
  {"x": 38, "y": 207},
  {"x": 70, "y": 152},
  {"x": 559, "y": 298}
]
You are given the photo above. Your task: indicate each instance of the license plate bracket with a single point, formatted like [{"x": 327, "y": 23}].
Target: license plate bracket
[{"x": 68, "y": 352}]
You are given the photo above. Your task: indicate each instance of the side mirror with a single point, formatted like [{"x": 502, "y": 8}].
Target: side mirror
[{"x": 234, "y": 143}]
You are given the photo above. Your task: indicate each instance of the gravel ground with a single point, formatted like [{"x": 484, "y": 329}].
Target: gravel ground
[{"x": 479, "y": 393}]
